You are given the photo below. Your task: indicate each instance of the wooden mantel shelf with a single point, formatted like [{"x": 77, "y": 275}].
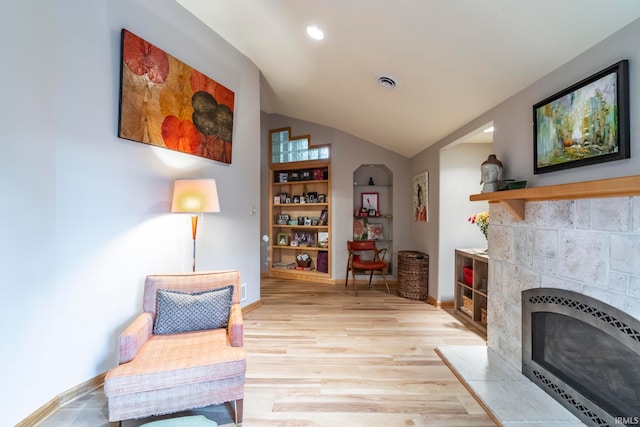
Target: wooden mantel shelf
[{"x": 513, "y": 200}]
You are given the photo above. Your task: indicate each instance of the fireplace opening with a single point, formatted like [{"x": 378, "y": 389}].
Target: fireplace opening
[
  {"x": 584, "y": 353},
  {"x": 589, "y": 360}
]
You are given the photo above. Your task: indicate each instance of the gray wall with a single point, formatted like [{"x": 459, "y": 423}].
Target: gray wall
[
  {"x": 347, "y": 154},
  {"x": 84, "y": 214},
  {"x": 459, "y": 177},
  {"x": 513, "y": 135}
]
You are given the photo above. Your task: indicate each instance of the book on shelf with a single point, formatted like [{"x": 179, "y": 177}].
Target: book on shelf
[{"x": 283, "y": 264}]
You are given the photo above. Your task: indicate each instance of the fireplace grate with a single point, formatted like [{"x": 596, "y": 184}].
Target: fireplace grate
[
  {"x": 585, "y": 308},
  {"x": 597, "y": 421}
]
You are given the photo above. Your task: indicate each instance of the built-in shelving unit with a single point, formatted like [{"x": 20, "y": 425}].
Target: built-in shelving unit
[
  {"x": 299, "y": 208},
  {"x": 295, "y": 219},
  {"x": 376, "y": 180}
]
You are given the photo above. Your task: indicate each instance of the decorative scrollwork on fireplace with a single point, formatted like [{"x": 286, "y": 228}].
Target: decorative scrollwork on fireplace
[
  {"x": 585, "y": 308},
  {"x": 569, "y": 399},
  {"x": 582, "y": 352}
]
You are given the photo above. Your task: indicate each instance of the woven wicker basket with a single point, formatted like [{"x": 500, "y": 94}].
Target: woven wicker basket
[
  {"x": 467, "y": 303},
  {"x": 305, "y": 264},
  {"x": 413, "y": 275}
]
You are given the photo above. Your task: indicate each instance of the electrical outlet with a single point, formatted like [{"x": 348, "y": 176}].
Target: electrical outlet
[{"x": 243, "y": 292}]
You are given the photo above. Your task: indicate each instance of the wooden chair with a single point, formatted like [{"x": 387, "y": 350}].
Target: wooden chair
[{"x": 364, "y": 257}]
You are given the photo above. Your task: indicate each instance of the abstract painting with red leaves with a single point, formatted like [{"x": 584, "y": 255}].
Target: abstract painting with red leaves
[{"x": 166, "y": 103}]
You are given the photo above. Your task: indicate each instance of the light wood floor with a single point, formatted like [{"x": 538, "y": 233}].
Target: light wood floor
[{"x": 319, "y": 356}]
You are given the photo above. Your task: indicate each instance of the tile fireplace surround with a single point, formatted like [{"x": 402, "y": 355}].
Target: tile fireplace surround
[
  {"x": 589, "y": 246},
  {"x": 563, "y": 237}
]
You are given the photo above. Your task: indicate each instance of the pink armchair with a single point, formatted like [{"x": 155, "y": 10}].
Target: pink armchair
[{"x": 172, "y": 372}]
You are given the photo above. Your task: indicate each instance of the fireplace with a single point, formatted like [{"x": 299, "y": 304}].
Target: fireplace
[{"x": 584, "y": 353}]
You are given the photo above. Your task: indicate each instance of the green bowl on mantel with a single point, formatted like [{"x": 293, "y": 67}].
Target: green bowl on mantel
[{"x": 514, "y": 185}]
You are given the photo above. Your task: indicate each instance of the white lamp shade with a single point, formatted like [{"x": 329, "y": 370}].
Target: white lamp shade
[{"x": 195, "y": 195}]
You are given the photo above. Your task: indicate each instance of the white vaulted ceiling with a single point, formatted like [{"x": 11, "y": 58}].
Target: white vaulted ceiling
[{"x": 453, "y": 59}]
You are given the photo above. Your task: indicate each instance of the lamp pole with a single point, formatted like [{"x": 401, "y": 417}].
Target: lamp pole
[
  {"x": 195, "y": 196},
  {"x": 194, "y": 230}
]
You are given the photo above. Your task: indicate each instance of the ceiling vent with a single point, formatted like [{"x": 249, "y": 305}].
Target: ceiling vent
[{"x": 387, "y": 81}]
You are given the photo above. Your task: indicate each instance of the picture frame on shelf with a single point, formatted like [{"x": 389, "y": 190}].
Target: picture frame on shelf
[
  {"x": 359, "y": 229},
  {"x": 282, "y": 219},
  {"x": 276, "y": 200},
  {"x": 284, "y": 177},
  {"x": 375, "y": 231},
  {"x": 305, "y": 238},
  {"x": 323, "y": 239},
  {"x": 324, "y": 217},
  {"x": 294, "y": 175},
  {"x": 585, "y": 124},
  {"x": 370, "y": 201},
  {"x": 283, "y": 239},
  {"x": 322, "y": 198}
]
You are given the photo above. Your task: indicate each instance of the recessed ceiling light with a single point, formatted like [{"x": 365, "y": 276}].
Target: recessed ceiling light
[
  {"x": 315, "y": 32},
  {"x": 387, "y": 81}
]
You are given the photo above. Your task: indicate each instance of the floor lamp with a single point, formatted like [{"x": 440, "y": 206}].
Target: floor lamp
[{"x": 195, "y": 196}]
